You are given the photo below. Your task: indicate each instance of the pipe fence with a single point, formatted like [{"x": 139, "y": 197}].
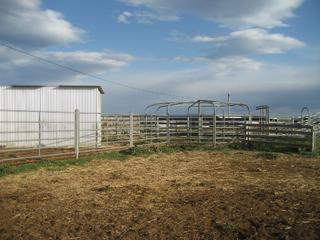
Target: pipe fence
[{"x": 52, "y": 134}]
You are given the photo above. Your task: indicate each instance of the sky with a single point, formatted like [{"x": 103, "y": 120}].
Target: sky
[{"x": 261, "y": 52}]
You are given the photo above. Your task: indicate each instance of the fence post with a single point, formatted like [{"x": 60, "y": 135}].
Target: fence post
[
  {"x": 168, "y": 129},
  {"x": 146, "y": 128},
  {"x": 199, "y": 123},
  {"x": 117, "y": 130},
  {"x": 158, "y": 129},
  {"x": 314, "y": 139},
  {"x": 188, "y": 128},
  {"x": 214, "y": 130},
  {"x": 131, "y": 131},
  {"x": 105, "y": 129},
  {"x": 151, "y": 124},
  {"x": 39, "y": 134},
  {"x": 76, "y": 132},
  {"x": 97, "y": 131},
  {"x": 224, "y": 127},
  {"x": 249, "y": 127}
]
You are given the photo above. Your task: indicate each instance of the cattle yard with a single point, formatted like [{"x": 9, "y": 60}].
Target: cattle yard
[
  {"x": 31, "y": 135},
  {"x": 165, "y": 174},
  {"x": 199, "y": 194}
]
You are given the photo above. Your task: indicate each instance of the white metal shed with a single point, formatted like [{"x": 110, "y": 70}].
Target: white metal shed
[{"x": 33, "y": 115}]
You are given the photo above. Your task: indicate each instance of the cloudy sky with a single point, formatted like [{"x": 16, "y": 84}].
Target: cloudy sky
[{"x": 261, "y": 52}]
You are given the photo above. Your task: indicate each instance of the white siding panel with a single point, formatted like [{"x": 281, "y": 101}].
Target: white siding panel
[{"x": 57, "y": 106}]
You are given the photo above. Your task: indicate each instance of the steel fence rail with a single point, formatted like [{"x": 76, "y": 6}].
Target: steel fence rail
[{"x": 47, "y": 134}]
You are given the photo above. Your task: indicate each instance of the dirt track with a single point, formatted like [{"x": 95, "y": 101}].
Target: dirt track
[{"x": 191, "y": 195}]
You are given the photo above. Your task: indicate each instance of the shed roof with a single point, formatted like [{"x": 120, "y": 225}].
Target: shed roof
[{"x": 60, "y": 86}]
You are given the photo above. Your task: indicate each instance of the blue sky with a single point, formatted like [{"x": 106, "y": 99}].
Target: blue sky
[{"x": 262, "y": 52}]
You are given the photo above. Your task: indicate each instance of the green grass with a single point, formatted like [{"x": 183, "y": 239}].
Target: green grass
[
  {"x": 142, "y": 151},
  {"x": 56, "y": 165}
]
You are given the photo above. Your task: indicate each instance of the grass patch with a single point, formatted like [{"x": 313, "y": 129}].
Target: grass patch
[
  {"x": 279, "y": 148},
  {"x": 7, "y": 169},
  {"x": 143, "y": 151},
  {"x": 56, "y": 165}
]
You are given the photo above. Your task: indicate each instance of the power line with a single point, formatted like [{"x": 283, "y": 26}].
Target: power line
[{"x": 88, "y": 74}]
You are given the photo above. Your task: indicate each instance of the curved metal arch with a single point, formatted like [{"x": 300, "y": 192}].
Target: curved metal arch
[
  {"x": 161, "y": 105},
  {"x": 303, "y": 110},
  {"x": 201, "y": 103},
  {"x": 171, "y": 105},
  {"x": 155, "y": 104},
  {"x": 199, "y": 112}
]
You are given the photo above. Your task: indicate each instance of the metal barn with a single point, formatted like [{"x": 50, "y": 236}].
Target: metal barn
[{"x": 45, "y": 115}]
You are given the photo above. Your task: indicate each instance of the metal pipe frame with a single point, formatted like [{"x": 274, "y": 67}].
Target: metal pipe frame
[
  {"x": 189, "y": 104},
  {"x": 199, "y": 115},
  {"x": 308, "y": 113}
]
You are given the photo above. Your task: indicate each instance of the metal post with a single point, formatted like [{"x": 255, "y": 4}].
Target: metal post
[
  {"x": 131, "y": 131},
  {"x": 105, "y": 130},
  {"x": 188, "y": 127},
  {"x": 214, "y": 130},
  {"x": 250, "y": 122},
  {"x": 158, "y": 129},
  {"x": 224, "y": 126},
  {"x": 97, "y": 133},
  {"x": 76, "y": 132},
  {"x": 146, "y": 128},
  {"x": 117, "y": 131},
  {"x": 151, "y": 124},
  {"x": 314, "y": 139},
  {"x": 199, "y": 123},
  {"x": 168, "y": 126},
  {"x": 39, "y": 134}
]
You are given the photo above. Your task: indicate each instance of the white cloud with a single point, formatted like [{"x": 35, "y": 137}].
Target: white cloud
[
  {"x": 144, "y": 17},
  {"x": 124, "y": 17},
  {"x": 250, "y": 41},
  {"x": 17, "y": 68},
  {"x": 27, "y": 24},
  {"x": 234, "y": 13},
  {"x": 177, "y": 36}
]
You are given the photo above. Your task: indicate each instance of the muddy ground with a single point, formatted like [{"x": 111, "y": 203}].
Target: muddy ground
[{"x": 185, "y": 195}]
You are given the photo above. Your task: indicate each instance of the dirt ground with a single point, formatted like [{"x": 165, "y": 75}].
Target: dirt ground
[{"x": 185, "y": 195}]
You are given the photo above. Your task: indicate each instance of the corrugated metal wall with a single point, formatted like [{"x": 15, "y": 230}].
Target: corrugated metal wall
[
  {"x": 50, "y": 99},
  {"x": 53, "y": 108}
]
